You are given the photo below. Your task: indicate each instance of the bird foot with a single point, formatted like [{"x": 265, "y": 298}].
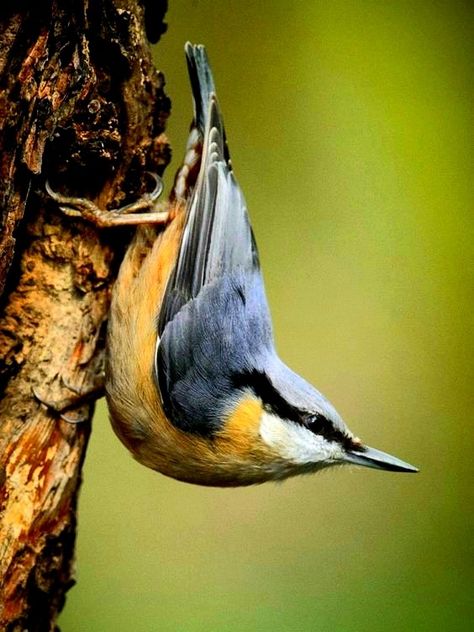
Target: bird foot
[
  {"x": 127, "y": 215},
  {"x": 74, "y": 408}
]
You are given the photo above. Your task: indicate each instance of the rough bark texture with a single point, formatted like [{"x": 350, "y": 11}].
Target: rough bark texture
[{"x": 82, "y": 106}]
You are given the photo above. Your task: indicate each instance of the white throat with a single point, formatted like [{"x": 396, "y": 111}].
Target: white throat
[{"x": 296, "y": 444}]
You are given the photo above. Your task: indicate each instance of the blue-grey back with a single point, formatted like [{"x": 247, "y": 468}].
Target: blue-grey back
[{"x": 223, "y": 333}]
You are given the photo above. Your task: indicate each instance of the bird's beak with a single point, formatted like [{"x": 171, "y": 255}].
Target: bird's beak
[{"x": 370, "y": 457}]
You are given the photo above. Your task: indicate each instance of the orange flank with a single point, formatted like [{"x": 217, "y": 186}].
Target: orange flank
[{"x": 242, "y": 425}]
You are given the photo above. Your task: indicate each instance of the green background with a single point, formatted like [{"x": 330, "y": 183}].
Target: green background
[{"x": 350, "y": 127}]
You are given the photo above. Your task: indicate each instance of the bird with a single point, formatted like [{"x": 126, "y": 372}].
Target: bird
[{"x": 194, "y": 385}]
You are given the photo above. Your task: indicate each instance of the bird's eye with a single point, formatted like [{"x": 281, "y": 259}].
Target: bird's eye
[
  {"x": 320, "y": 425},
  {"x": 314, "y": 421}
]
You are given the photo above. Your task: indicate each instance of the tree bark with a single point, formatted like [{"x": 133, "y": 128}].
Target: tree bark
[{"x": 82, "y": 107}]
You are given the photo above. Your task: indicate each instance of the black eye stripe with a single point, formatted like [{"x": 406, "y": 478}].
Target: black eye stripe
[
  {"x": 318, "y": 424},
  {"x": 273, "y": 402}
]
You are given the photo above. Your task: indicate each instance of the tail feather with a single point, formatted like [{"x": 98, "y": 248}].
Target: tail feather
[
  {"x": 217, "y": 239},
  {"x": 203, "y": 89},
  {"x": 202, "y": 83}
]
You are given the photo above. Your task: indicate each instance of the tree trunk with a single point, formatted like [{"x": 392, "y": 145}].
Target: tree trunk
[{"x": 82, "y": 107}]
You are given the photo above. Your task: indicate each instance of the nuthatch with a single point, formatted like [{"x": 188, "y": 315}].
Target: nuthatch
[{"x": 194, "y": 385}]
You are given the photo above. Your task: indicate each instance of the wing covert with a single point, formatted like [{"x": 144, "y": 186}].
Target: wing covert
[{"x": 217, "y": 238}]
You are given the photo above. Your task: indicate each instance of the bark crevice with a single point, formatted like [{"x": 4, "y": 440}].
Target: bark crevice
[{"x": 81, "y": 106}]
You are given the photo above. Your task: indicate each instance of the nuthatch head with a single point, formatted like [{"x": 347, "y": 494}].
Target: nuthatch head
[{"x": 194, "y": 385}]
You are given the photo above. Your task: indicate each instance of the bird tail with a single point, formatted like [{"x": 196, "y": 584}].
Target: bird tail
[
  {"x": 204, "y": 91},
  {"x": 202, "y": 83},
  {"x": 217, "y": 239}
]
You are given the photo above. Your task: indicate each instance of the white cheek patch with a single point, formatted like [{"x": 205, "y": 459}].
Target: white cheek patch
[{"x": 296, "y": 443}]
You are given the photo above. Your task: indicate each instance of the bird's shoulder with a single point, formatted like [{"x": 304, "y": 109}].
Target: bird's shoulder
[{"x": 221, "y": 333}]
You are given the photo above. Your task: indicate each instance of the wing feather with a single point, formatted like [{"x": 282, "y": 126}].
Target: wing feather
[
  {"x": 217, "y": 238},
  {"x": 214, "y": 322}
]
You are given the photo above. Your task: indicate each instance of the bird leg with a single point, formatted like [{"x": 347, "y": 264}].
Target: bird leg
[
  {"x": 124, "y": 216},
  {"x": 76, "y": 408}
]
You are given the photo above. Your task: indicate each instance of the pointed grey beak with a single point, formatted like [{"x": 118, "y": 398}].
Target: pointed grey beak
[{"x": 370, "y": 457}]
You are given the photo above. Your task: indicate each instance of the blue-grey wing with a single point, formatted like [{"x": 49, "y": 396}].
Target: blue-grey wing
[
  {"x": 217, "y": 238},
  {"x": 214, "y": 321},
  {"x": 221, "y": 335}
]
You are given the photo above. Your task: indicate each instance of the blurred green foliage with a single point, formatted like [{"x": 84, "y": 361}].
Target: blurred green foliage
[{"x": 350, "y": 127}]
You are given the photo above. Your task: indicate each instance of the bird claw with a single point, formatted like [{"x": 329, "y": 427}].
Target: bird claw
[
  {"x": 96, "y": 390},
  {"x": 147, "y": 201},
  {"x": 123, "y": 216},
  {"x": 73, "y": 410},
  {"x": 76, "y": 416}
]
